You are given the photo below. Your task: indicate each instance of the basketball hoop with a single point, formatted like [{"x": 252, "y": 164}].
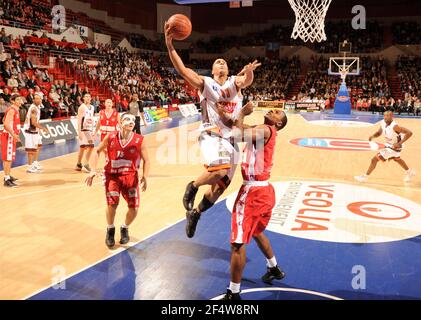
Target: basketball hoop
[{"x": 309, "y": 19}]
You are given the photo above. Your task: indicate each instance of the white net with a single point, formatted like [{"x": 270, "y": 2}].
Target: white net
[{"x": 309, "y": 19}]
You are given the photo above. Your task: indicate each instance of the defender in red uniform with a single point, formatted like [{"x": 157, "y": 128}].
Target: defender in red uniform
[
  {"x": 256, "y": 199},
  {"x": 125, "y": 150},
  {"x": 9, "y": 137},
  {"x": 108, "y": 120}
]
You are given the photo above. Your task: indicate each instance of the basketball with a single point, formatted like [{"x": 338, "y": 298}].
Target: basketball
[{"x": 180, "y": 26}]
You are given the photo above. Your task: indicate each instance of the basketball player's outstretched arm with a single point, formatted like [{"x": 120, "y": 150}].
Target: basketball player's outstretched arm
[
  {"x": 146, "y": 167},
  {"x": 406, "y": 132},
  {"x": 188, "y": 74},
  {"x": 246, "y": 76}
]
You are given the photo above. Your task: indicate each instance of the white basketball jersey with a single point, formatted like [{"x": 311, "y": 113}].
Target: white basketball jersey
[
  {"x": 28, "y": 125},
  {"x": 390, "y": 135},
  {"x": 227, "y": 95},
  {"x": 88, "y": 120}
]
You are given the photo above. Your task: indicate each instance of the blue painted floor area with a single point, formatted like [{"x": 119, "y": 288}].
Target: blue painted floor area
[
  {"x": 170, "y": 266},
  {"x": 60, "y": 149}
]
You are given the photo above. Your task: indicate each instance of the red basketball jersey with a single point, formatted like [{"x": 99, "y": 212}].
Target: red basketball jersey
[
  {"x": 15, "y": 123},
  {"x": 258, "y": 162},
  {"x": 123, "y": 159},
  {"x": 108, "y": 124}
]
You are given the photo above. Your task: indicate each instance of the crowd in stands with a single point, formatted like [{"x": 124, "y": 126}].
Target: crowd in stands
[
  {"x": 408, "y": 32},
  {"x": 364, "y": 40},
  {"x": 369, "y": 90},
  {"x": 141, "y": 42},
  {"x": 273, "y": 80},
  {"x": 143, "y": 74},
  {"x": 17, "y": 12},
  {"x": 409, "y": 75}
]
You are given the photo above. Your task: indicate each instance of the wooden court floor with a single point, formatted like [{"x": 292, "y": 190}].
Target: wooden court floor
[{"x": 54, "y": 222}]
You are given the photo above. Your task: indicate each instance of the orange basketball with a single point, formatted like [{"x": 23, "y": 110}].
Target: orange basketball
[{"x": 180, "y": 26}]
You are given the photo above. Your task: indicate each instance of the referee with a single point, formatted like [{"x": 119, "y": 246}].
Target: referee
[{"x": 136, "y": 109}]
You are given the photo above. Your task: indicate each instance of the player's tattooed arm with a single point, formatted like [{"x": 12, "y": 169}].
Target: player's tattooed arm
[
  {"x": 377, "y": 134},
  {"x": 188, "y": 74},
  {"x": 406, "y": 132},
  {"x": 34, "y": 120}
]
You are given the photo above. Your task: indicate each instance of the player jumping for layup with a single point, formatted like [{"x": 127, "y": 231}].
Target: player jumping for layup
[
  {"x": 255, "y": 200},
  {"x": 393, "y": 134},
  {"x": 217, "y": 149},
  {"x": 125, "y": 150}
]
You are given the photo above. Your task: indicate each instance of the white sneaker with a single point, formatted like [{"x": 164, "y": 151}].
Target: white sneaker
[
  {"x": 362, "y": 178},
  {"x": 409, "y": 174},
  {"x": 32, "y": 169},
  {"x": 37, "y": 165}
]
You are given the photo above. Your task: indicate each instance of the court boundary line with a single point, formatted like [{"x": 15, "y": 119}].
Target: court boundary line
[{"x": 309, "y": 292}]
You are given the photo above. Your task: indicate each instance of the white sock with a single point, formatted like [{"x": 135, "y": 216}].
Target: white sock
[
  {"x": 110, "y": 226},
  {"x": 6, "y": 178},
  {"x": 124, "y": 226},
  {"x": 234, "y": 287},
  {"x": 271, "y": 263}
]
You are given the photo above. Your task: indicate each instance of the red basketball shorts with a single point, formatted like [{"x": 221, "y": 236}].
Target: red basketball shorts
[
  {"x": 252, "y": 212},
  {"x": 126, "y": 185},
  {"x": 8, "y": 147}
]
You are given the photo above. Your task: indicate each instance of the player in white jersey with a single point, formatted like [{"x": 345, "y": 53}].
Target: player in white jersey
[
  {"x": 395, "y": 137},
  {"x": 85, "y": 130},
  {"x": 218, "y": 151},
  {"x": 31, "y": 131}
]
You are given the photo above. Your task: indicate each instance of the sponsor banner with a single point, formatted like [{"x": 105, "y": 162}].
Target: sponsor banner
[
  {"x": 302, "y": 106},
  {"x": 156, "y": 115},
  {"x": 56, "y": 130},
  {"x": 337, "y": 212},
  {"x": 337, "y": 144},
  {"x": 188, "y": 110},
  {"x": 270, "y": 105}
]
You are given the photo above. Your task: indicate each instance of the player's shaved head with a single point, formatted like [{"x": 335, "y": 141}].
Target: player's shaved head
[
  {"x": 220, "y": 67},
  {"x": 277, "y": 118},
  {"x": 388, "y": 116}
]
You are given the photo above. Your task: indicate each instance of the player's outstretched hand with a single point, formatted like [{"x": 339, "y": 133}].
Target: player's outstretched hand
[
  {"x": 143, "y": 184},
  {"x": 248, "y": 108},
  {"x": 167, "y": 33},
  {"x": 90, "y": 179},
  {"x": 250, "y": 67}
]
